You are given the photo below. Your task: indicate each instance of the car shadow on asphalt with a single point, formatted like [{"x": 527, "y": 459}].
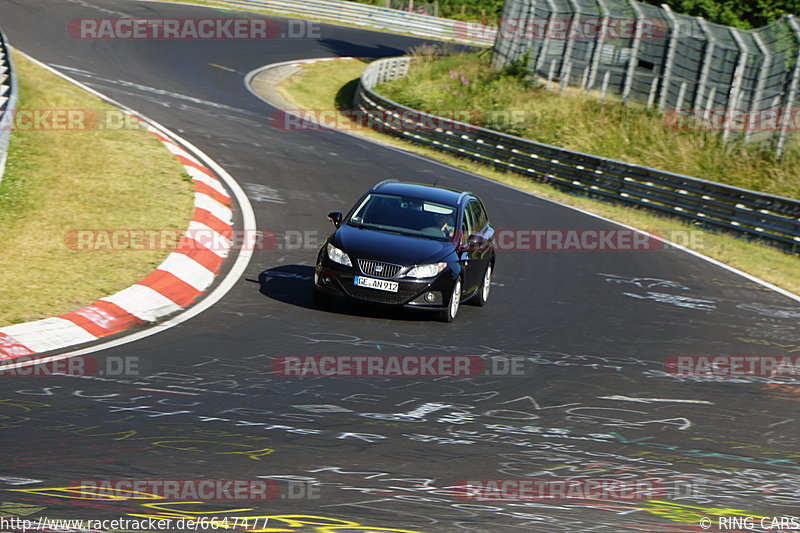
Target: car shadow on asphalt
[{"x": 292, "y": 284}]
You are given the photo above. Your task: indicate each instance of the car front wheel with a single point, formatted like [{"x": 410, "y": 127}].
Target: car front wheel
[
  {"x": 482, "y": 295},
  {"x": 449, "y": 313}
]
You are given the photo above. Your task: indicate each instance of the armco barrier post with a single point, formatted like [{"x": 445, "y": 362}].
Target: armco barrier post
[
  {"x": 674, "y": 31},
  {"x": 566, "y": 65},
  {"x": 706, "y": 65},
  {"x": 736, "y": 83},
  {"x": 501, "y": 51},
  {"x": 681, "y": 95},
  {"x": 545, "y": 47},
  {"x": 604, "y": 85},
  {"x": 758, "y": 93},
  {"x": 521, "y": 25},
  {"x": 529, "y": 34},
  {"x": 598, "y": 45},
  {"x": 634, "y": 58}
]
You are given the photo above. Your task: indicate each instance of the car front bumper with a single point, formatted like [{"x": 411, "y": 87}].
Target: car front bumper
[{"x": 339, "y": 280}]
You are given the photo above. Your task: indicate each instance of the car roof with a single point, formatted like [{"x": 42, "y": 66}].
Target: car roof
[{"x": 422, "y": 191}]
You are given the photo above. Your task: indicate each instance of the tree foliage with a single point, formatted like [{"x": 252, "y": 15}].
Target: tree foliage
[{"x": 738, "y": 13}]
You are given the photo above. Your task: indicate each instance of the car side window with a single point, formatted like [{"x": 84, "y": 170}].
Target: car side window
[
  {"x": 474, "y": 217},
  {"x": 480, "y": 216},
  {"x": 466, "y": 225}
]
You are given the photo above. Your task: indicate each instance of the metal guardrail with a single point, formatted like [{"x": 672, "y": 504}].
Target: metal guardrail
[
  {"x": 378, "y": 18},
  {"x": 772, "y": 218},
  {"x": 8, "y": 100}
]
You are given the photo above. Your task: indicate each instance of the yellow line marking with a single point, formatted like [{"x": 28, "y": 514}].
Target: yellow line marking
[{"x": 222, "y": 67}]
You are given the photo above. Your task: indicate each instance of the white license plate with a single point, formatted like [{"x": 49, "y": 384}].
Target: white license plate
[{"x": 372, "y": 283}]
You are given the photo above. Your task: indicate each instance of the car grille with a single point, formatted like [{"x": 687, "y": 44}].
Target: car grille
[
  {"x": 381, "y": 297},
  {"x": 378, "y": 269}
]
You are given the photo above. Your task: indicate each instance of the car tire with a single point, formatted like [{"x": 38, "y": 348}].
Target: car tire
[
  {"x": 482, "y": 295},
  {"x": 320, "y": 299},
  {"x": 449, "y": 313}
]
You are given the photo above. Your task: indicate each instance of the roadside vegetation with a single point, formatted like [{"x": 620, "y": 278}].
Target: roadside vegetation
[
  {"x": 332, "y": 86},
  {"x": 740, "y": 13},
  {"x": 58, "y": 180},
  {"x": 508, "y": 101}
]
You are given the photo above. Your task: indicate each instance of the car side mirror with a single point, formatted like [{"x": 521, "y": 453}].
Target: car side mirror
[
  {"x": 336, "y": 218},
  {"x": 474, "y": 242}
]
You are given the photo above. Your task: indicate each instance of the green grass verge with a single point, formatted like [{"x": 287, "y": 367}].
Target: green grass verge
[
  {"x": 332, "y": 85},
  {"x": 582, "y": 123},
  {"x": 62, "y": 180}
]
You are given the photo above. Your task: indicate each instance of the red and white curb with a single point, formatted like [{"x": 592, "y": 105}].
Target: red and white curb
[{"x": 175, "y": 284}]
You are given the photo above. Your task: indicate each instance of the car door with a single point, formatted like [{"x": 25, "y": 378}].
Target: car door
[
  {"x": 474, "y": 254},
  {"x": 485, "y": 231}
]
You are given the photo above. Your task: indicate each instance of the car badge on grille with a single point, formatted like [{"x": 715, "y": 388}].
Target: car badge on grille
[{"x": 378, "y": 268}]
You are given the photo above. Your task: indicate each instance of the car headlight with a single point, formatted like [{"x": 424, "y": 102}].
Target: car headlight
[
  {"x": 426, "y": 271},
  {"x": 338, "y": 256}
]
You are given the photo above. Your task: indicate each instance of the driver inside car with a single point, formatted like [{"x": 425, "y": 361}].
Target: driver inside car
[{"x": 447, "y": 224}]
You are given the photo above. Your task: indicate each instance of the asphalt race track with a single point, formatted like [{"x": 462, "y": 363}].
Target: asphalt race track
[{"x": 378, "y": 454}]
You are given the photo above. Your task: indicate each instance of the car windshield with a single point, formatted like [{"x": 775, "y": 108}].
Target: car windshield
[{"x": 407, "y": 216}]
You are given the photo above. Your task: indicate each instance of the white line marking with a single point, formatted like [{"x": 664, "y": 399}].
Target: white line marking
[
  {"x": 170, "y": 392},
  {"x": 153, "y": 90},
  {"x": 653, "y": 400}
]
